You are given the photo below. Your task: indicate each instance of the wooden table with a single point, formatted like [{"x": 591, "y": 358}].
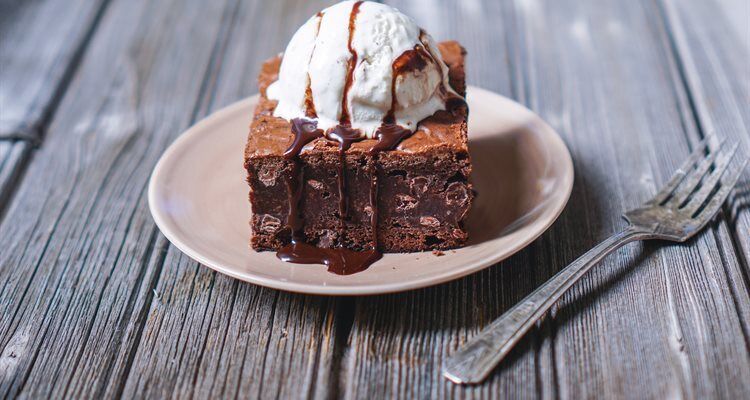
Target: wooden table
[{"x": 94, "y": 302}]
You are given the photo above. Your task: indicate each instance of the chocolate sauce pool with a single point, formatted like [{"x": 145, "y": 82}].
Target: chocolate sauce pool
[{"x": 341, "y": 260}]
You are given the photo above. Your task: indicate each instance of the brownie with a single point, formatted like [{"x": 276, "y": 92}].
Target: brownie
[{"x": 422, "y": 186}]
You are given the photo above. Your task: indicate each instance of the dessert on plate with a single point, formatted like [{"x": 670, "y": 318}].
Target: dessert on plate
[{"x": 358, "y": 144}]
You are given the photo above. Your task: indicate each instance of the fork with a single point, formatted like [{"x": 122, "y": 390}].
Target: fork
[{"x": 691, "y": 198}]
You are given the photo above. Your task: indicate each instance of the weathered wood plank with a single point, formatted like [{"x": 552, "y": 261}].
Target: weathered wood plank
[
  {"x": 12, "y": 157},
  {"x": 240, "y": 340},
  {"x": 78, "y": 236},
  {"x": 715, "y": 65},
  {"x": 650, "y": 321},
  {"x": 41, "y": 43}
]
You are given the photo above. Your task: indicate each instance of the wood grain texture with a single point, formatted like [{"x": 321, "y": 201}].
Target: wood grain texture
[
  {"x": 241, "y": 340},
  {"x": 13, "y": 155},
  {"x": 603, "y": 74},
  {"x": 77, "y": 237},
  {"x": 715, "y": 66},
  {"x": 40, "y": 46},
  {"x": 651, "y": 321},
  {"x": 42, "y": 42}
]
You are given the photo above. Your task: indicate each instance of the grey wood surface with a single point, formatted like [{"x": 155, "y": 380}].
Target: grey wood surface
[
  {"x": 94, "y": 302},
  {"x": 13, "y": 155},
  {"x": 41, "y": 43},
  {"x": 710, "y": 55}
]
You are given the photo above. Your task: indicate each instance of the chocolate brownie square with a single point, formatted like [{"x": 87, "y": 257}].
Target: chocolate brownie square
[{"x": 419, "y": 192}]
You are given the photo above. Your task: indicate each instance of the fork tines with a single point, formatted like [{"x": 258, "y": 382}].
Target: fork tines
[{"x": 701, "y": 180}]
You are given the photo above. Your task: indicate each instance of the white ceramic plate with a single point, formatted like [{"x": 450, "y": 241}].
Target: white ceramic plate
[{"x": 522, "y": 172}]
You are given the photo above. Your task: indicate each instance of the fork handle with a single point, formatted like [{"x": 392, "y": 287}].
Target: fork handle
[{"x": 479, "y": 356}]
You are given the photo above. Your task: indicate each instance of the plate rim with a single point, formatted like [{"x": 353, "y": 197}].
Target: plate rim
[{"x": 184, "y": 139}]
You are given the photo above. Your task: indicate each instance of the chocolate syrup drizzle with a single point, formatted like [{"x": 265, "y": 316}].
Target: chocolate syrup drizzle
[
  {"x": 309, "y": 101},
  {"x": 341, "y": 260},
  {"x": 345, "y": 118},
  {"x": 346, "y": 136}
]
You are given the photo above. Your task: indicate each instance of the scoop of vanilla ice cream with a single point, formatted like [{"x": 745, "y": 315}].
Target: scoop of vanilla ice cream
[{"x": 316, "y": 67}]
